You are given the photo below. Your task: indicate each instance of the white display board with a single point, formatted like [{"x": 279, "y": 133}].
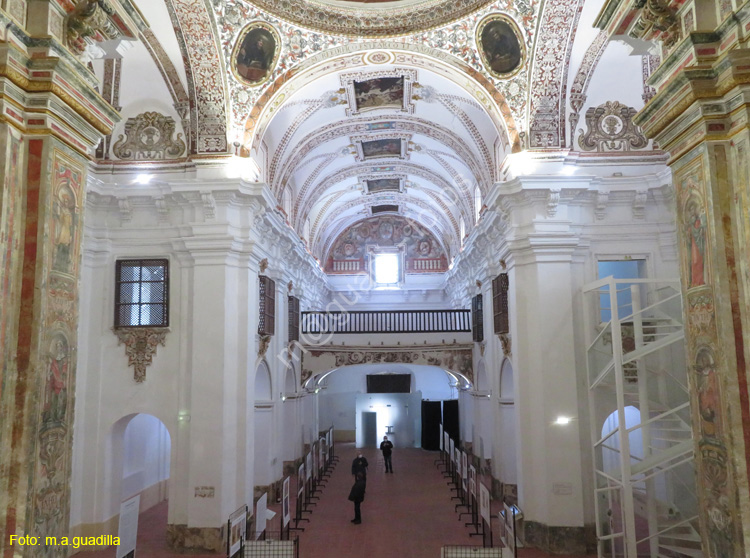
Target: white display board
[
  {"x": 473, "y": 481},
  {"x": 300, "y": 480},
  {"x": 484, "y": 503},
  {"x": 446, "y": 441},
  {"x": 128, "y": 528},
  {"x": 452, "y": 448},
  {"x": 308, "y": 465},
  {"x": 286, "y": 512},
  {"x": 261, "y": 507},
  {"x": 237, "y": 524}
]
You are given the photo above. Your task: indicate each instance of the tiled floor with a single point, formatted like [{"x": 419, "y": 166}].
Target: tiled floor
[{"x": 409, "y": 513}]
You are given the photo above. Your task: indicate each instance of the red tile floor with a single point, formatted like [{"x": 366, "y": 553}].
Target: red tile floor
[{"x": 409, "y": 513}]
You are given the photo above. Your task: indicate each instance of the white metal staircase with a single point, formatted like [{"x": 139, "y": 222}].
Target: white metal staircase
[{"x": 646, "y": 502}]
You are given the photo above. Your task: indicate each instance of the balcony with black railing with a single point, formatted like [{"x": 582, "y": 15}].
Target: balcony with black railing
[{"x": 387, "y": 321}]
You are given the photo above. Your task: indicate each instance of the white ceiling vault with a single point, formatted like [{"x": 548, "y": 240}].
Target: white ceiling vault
[{"x": 449, "y": 133}]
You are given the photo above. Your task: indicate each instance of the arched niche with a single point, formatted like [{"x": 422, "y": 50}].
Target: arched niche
[
  {"x": 263, "y": 383},
  {"x": 483, "y": 380}
]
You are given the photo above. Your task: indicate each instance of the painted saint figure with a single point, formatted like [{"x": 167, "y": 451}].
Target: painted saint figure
[
  {"x": 55, "y": 398},
  {"x": 696, "y": 238},
  {"x": 64, "y": 226}
]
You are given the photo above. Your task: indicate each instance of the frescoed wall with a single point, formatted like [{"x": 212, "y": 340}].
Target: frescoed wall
[{"x": 423, "y": 253}]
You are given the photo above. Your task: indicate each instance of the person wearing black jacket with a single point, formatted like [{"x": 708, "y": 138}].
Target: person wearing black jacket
[
  {"x": 359, "y": 465},
  {"x": 386, "y": 446},
  {"x": 357, "y": 495}
]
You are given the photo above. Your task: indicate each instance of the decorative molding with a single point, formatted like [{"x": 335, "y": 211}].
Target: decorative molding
[
  {"x": 140, "y": 346},
  {"x": 639, "y": 204},
  {"x": 209, "y": 205},
  {"x": 369, "y": 22},
  {"x": 505, "y": 341},
  {"x": 149, "y": 136},
  {"x": 600, "y": 210},
  {"x": 263, "y": 343},
  {"x": 553, "y": 200},
  {"x": 263, "y": 265},
  {"x": 611, "y": 128},
  {"x": 406, "y": 103}
]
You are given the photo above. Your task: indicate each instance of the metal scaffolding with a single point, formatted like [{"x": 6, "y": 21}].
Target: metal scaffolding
[{"x": 637, "y": 378}]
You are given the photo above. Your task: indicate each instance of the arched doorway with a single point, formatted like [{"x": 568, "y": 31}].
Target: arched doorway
[{"x": 141, "y": 464}]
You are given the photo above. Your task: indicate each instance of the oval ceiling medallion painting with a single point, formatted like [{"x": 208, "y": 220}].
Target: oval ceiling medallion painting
[
  {"x": 370, "y": 18},
  {"x": 500, "y": 45},
  {"x": 255, "y": 55}
]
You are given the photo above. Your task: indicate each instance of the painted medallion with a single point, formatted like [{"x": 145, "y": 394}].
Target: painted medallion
[
  {"x": 500, "y": 45},
  {"x": 256, "y": 53}
]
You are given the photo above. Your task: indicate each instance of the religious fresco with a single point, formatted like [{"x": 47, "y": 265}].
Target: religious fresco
[
  {"x": 10, "y": 234},
  {"x": 256, "y": 53},
  {"x": 383, "y": 185},
  {"x": 59, "y": 324},
  {"x": 381, "y": 148},
  {"x": 423, "y": 253},
  {"x": 694, "y": 227},
  {"x": 384, "y": 92},
  {"x": 323, "y": 358},
  {"x": 708, "y": 402},
  {"x": 500, "y": 45}
]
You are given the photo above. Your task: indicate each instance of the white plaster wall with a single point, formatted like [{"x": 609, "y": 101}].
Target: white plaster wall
[{"x": 402, "y": 411}]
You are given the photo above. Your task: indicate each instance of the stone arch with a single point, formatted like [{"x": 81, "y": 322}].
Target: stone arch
[
  {"x": 507, "y": 381},
  {"x": 204, "y": 66},
  {"x": 350, "y": 56}
]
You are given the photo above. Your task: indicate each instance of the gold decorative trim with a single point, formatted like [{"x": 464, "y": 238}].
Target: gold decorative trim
[
  {"x": 140, "y": 346},
  {"x": 18, "y": 79}
]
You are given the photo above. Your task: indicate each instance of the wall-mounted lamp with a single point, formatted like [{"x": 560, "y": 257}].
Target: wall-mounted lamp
[
  {"x": 562, "y": 420},
  {"x": 283, "y": 397},
  {"x": 183, "y": 417}
]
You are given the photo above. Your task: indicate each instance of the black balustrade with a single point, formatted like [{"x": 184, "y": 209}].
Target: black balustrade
[{"x": 387, "y": 321}]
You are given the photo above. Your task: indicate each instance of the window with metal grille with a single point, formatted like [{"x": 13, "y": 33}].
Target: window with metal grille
[
  {"x": 142, "y": 293},
  {"x": 500, "y": 303},
  {"x": 267, "y": 310},
  {"x": 293, "y": 318},
  {"x": 477, "y": 319}
]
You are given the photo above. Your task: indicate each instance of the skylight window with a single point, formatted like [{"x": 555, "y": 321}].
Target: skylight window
[{"x": 386, "y": 269}]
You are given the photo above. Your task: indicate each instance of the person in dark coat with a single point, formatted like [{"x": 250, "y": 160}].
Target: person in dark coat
[
  {"x": 386, "y": 446},
  {"x": 357, "y": 495},
  {"x": 359, "y": 465}
]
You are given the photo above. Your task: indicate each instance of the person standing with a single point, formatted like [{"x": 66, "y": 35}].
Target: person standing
[
  {"x": 359, "y": 466},
  {"x": 386, "y": 446},
  {"x": 357, "y": 495}
]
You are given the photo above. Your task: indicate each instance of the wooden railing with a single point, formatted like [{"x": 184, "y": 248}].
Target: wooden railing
[{"x": 387, "y": 321}]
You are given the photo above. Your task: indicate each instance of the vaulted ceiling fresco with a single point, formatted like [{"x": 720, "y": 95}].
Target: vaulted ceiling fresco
[{"x": 340, "y": 106}]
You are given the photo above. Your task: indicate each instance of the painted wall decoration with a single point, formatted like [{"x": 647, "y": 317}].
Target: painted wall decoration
[
  {"x": 256, "y": 53},
  {"x": 325, "y": 358},
  {"x": 694, "y": 226},
  {"x": 500, "y": 45},
  {"x": 610, "y": 127},
  {"x": 10, "y": 233},
  {"x": 381, "y": 148},
  {"x": 149, "y": 136},
  {"x": 384, "y": 92},
  {"x": 383, "y": 185},
  {"x": 423, "y": 253},
  {"x": 59, "y": 323}
]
